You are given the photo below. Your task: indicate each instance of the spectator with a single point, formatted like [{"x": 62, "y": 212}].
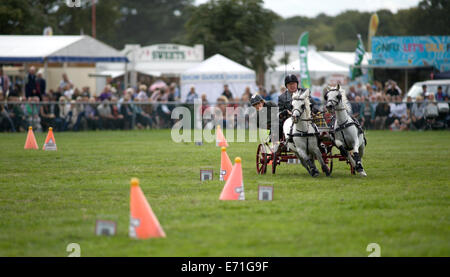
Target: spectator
[
  {"x": 4, "y": 84},
  {"x": 142, "y": 95},
  {"x": 163, "y": 110},
  {"x": 47, "y": 113},
  {"x": 359, "y": 89},
  {"x": 417, "y": 113},
  {"x": 356, "y": 108},
  {"x": 176, "y": 91},
  {"x": 227, "y": 93},
  {"x": 441, "y": 96},
  {"x": 106, "y": 94},
  {"x": 155, "y": 96},
  {"x": 16, "y": 114},
  {"x": 76, "y": 94},
  {"x": 273, "y": 96},
  {"x": 106, "y": 118},
  {"x": 31, "y": 111},
  {"x": 366, "y": 91},
  {"x": 68, "y": 91},
  {"x": 63, "y": 116},
  {"x": 41, "y": 84},
  {"x": 86, "y": 92},
  {"x": 92, "y": 116},
  {"x": 409, "y": 102},
  {"x": 192, "y": 95},
  {"x": 397, "y": 126},
  {"x": 398, "y": 110},
  {"x": 72, "y": 116},
  {"x": 30, "y": 87},
  {"x": 367, "y": 115},
  {"x": 220, "y": 114},
  {"x": 381, "y": 113},
  {"x": 431, "y": 110},
  {"x": 248, "y": 92},
  {"x": 81, "y": 122},
  {"x": 114, "y": 92},
  {"x": 392, "y": 89},
  {"x": 117, "y": 117},
  {"x": 65, "y": 81},
  {"x": 424, "y": 91},
  {"x": 351, "y": 94},
  {"x": 143, "y": 119},
  {"x": 6, "y": 123},
  {"x": 16, "y": 91},
  {"x": 126, "y": 111}
]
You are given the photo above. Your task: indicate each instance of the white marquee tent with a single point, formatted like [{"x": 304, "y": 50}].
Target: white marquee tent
[
  {"x": 318, "y": 65},
  {"x": 211, "y": 75},
  {"x": 41, "y": 49}
]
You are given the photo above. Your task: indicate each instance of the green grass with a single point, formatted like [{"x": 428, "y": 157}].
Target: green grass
[{"x": 51, "y": 199}]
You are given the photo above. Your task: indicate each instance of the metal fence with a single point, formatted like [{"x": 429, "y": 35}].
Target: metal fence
[{"x": 83, "y": 116}]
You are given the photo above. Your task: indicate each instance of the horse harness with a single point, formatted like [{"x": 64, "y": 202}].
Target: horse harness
[
  {"x": 344, "y": 126},
  {"x": 304, "y": 134}
]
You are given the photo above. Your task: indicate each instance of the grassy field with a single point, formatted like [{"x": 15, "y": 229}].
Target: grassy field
[{"x": 51, "y": 199}]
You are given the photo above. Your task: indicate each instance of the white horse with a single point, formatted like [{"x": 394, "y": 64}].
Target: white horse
[
  {"x": 348, "y": 138},
  {"x": 301, "y": 136}
]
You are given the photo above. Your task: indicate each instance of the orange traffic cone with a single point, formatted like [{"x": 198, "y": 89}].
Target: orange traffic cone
[
  {"x": 143, "y": 222},
  {"x": 31, "y": 143},
  {"x": 50, "y": 143},
  {"x": 225, "y": 165},
  {"x": 220, "y": 138},
  {"x": 234, "y": 187}
]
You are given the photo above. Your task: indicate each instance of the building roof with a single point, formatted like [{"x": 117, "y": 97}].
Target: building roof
[{"x": 81, "y": 49}]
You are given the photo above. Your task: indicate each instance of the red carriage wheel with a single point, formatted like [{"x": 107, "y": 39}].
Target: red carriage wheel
[
  {"x": 261, "y": 160},
  {"x": 274, "y": 162}
]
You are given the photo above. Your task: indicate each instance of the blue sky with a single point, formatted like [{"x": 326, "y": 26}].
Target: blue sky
[{"x": 288, "y": 8}]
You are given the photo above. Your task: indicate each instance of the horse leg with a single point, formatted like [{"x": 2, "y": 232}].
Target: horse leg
[
  {"x": 305, "y": 165},
  {"x": 306, "y": 161},
  {"x": 361, "y": 154},
  {"x": 318, "y": 155},
  {"x": 344, "y": 152},
  {"x": 358, "y": 167}
]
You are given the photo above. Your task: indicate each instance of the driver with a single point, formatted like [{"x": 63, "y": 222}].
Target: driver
[{"x": 285, "y": 100}]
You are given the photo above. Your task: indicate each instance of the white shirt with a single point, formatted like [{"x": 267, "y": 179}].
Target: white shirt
[{"x": 397, "y": 110}]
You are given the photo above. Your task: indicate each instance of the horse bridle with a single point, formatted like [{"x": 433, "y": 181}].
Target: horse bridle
[
  {"x": 301, "y": 113},
  {"x": 334, "y": 102}
]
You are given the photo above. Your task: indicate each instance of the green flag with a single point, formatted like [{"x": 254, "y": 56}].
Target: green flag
[
  {"x": 359, "y": 55},
  {"x": 304, "y": 72}
]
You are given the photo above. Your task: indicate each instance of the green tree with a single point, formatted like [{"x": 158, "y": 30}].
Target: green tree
[
  {"x": 25, "y": 17},
  {"x": 149, "y": 22},
  {"x": 238, "y": 29},
  {"x": 431, "y": 17}
]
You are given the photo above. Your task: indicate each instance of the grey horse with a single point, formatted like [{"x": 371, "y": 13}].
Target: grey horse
[
  {"x": 302, "y": 137},
  {"x": 348, "y": 138}
]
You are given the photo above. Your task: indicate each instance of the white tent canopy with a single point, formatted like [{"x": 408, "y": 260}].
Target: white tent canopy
[
  {"x": 318, "y": 66},
  {"x": 80, "y": 49},
  {"x": 345, "y": 58},
  {"x": 211, "y": 75}
]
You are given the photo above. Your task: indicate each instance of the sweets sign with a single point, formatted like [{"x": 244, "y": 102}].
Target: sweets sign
[{"x": 171, "y": 53}]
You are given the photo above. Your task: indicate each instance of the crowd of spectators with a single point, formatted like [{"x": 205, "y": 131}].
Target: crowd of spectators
[
  {"x": 68, "y": 108},
  {"x": 382, "y": 107}
]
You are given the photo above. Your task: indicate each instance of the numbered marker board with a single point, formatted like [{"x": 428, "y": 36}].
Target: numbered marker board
[
  {"x": 105, "y": 228},
  {"x": 265, "y": 193},
  {"x": 206, "y": 175}
]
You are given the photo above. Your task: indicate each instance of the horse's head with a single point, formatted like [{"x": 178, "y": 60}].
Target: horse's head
[
  {"x": 332, "y": 97},
  {"x": 301, "y": 106}
]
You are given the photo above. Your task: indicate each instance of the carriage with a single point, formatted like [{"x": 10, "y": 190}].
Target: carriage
[{"x": 273, "y": 155}]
